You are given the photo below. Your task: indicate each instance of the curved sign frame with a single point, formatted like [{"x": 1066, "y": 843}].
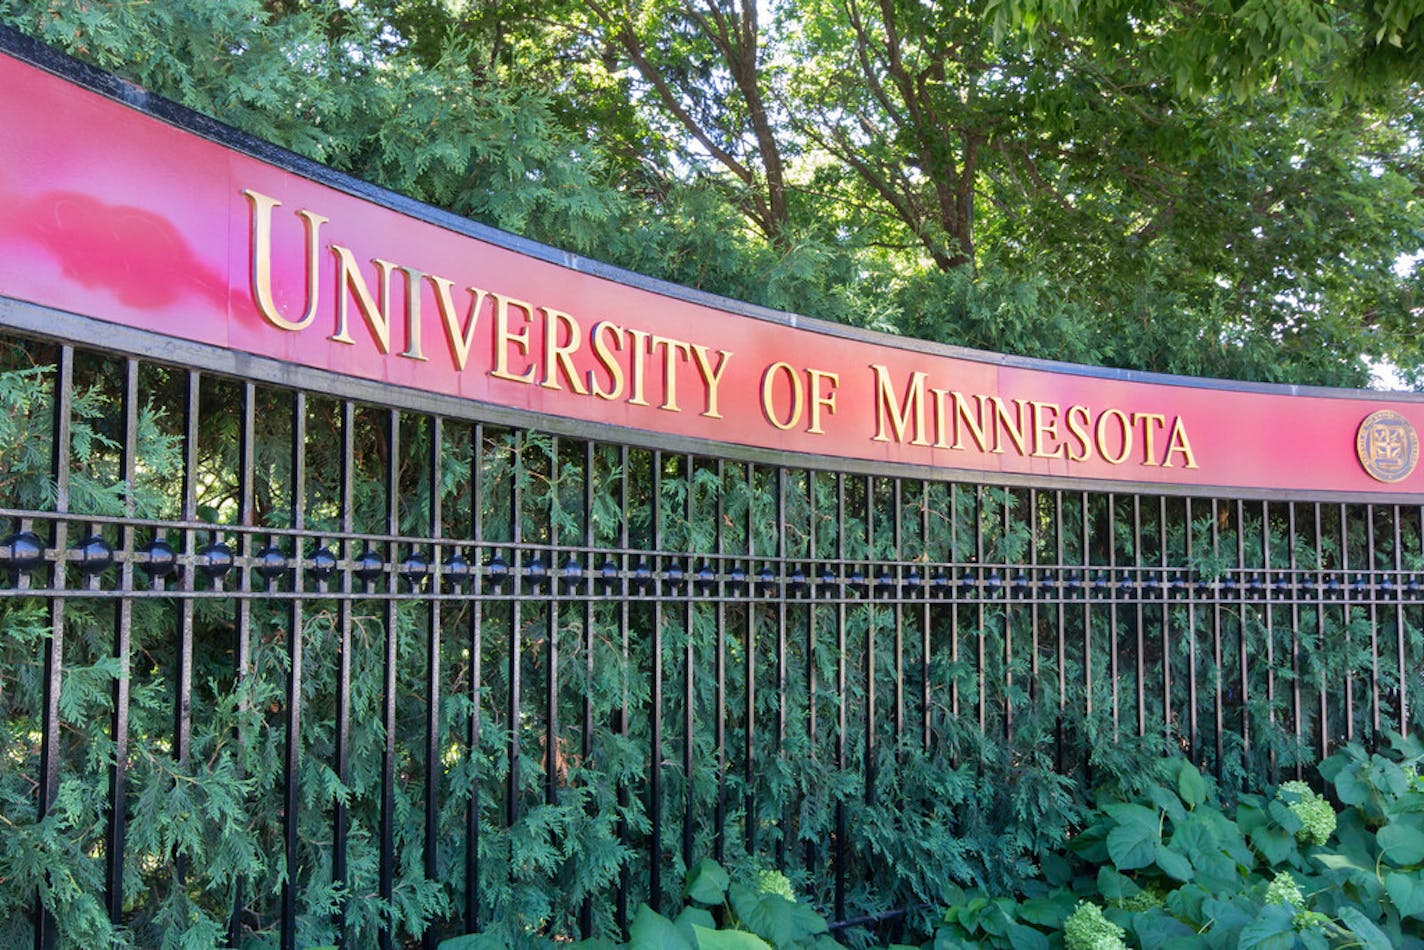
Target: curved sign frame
[{"x": 128, "y": 210}]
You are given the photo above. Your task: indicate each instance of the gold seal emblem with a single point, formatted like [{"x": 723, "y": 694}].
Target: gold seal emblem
[{"x": 1387, "y": 445}]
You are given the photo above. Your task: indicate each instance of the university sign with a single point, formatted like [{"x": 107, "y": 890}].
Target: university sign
[{"x": 115, "y": 215}]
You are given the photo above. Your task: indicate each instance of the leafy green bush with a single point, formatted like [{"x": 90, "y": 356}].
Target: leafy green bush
[{"x": 1177, "y": 867}]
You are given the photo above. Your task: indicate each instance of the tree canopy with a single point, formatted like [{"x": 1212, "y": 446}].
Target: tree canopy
[{"x": 1219, "y": 187}]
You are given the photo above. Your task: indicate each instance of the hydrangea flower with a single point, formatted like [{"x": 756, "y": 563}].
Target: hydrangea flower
[
  {"x": 1088, "y": 929},
  {"x": 1316, "y": 816}
]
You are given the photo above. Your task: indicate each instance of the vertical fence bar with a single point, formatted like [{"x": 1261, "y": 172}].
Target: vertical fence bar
[
  {"x": 926, "y": 617},
  {"x": 587, "y": 589},
  {"x": 749, "y": 818},
  {"x": 340, "y": 873},
  {"x": 1192, "y": 581},
  {"x": 551, "y": 644},
  {"x": 433, "y": 771},
  {"x": 1060, "y": 570},
  {"x": 1219, "y": 711},
  {"x": 1164, "y": 590},
  {"x": 291, "y": 780},
  {"x": 842, "y": 828},
  {"x": 1323, "y": 728},
  {"x": 1397, "y": 590},
  {"x": 689, "y": 661},
  {"x": 48, "y": 787},
  {"x": 476, "y": 641},
  {"x": 655, "y": 726},
  {"x": 869, "y": 668},
  {"x": 783, "y": 820},
  {"x": 183, "y": 689},
  {"x": 1370, "y": 589},
  {"x": 1346, "y": 608},
  {"x": 243, "y": 627},
  {"x": 1294, "y": 588},
  {"x": 1267, "y": 593},
  {"x": 620, "y": 909},
  {"x": 388, "y": 688},
  {"x": 1243, "y": 609},
  {"x": 123, "y": 625},
  {"x": 1112, "y": 591},
  {"x": 719, "y": 845},
  {"x": 1136, "y": 588}
]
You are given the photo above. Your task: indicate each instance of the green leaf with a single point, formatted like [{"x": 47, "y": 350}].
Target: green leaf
[
  {"x": 1407, "y": 893},
  {"x": 1173, "y": 864},
  {"x": 1156, "y": 929},
  {"x": 1275, "y": 844},
  {"x": 774, "y": 917},
  {"x": 1133, "y": 843},
  {"x": 1273, "y": 929},
  {"x": 706, "y": 883},
  {"x": 1190, "y": 785},
  {"x": 1026, "y": 938},
  {"x": 652, "y": 931},
  {"x": 709, "y": 939},
  {"x": 1350, "y": 789},
  {"x": 690, "y": 919},
  {"x": 1402, "y": 843},
  {"x": 1360, "y": 925}
]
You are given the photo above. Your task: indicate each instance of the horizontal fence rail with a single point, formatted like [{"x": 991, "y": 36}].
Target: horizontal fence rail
[{"x": 283, "y": 662}]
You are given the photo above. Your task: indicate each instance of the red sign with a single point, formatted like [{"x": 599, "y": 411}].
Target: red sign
[{"x": 116, "y": 215}]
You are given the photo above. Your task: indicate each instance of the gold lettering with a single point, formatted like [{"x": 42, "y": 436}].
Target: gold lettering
[
  {"x": 1015, "y": 429},
  {"x": 1045, "y": 429},
  {"x": 820, "y": 398},
  {"x": 503, "y": 337},
  {"x": 377, "y": 314},
  {"x": 1177, "y": 442},
  {"x": 670, "y": 348},
  {"x": 1100, "y": 436},
  {"x": 798, "y": 398},
  {"x": 1079, "y": 420},
  {"x": 711, "y": 378},
  {"x": 261, "y": 274},
  {"x": 913, "y": 406},
  {"x": 941, "y": 417},
  {"x": 976, "y": 426},
  {"x": 639, "y": 351},
  {"x": 1149, "y": 446},
  {"x": 603, "y": 336},
  {"x": 459, "y": 339},
  {"x": 559, "y": 357},
  {"x": 413, "y": 278}
]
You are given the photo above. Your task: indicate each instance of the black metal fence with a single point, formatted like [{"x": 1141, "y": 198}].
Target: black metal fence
[{"x": 291, "y": 655}]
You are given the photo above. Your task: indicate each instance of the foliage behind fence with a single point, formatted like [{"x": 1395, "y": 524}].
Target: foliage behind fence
[{"x": 534, "y": 677}]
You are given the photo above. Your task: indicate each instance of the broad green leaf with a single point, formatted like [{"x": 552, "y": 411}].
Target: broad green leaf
[
  {"x": 1190, "y": 785},
  {"x": 1156, "y": 929},
  {"x": 652, "y": 931},
  {"x": 1407, "y": 893},
  {"x": 709, "y": 939},
  {"x": 1167, "y": 801},
  {"x": 1133, "y": 846},
  {"x": 1173, "y": 864},
  {"x": 1350, "y": 789},
  {"x": 1402, "y": 843},
  {"x": 1273, "y": 929},
  {"x": 774, "y": 917},
  {"x": 1275, "y": 844},
  {"x": 706, "y": 883},
  {"x": 692, "y": 918},
  {"x": 1026, "y": 938},
  {"x": 1053, "y": 910},
  {"x": 1361, "y": 926}
]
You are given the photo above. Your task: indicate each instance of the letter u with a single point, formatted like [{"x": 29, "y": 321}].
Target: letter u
[{"x": 262, "y": 207}]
